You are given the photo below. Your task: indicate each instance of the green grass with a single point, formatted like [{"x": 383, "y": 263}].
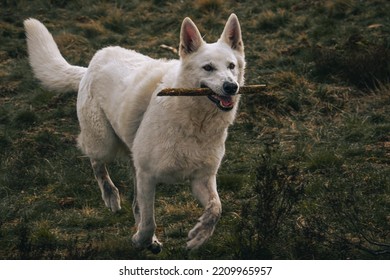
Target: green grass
[{"x": 306, "y": 172}]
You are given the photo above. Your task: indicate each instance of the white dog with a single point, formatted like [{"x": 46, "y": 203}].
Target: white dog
[{"x": 168, "y": 138}]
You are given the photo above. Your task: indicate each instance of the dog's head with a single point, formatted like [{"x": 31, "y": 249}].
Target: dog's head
[{"x": 218, "y": 66}]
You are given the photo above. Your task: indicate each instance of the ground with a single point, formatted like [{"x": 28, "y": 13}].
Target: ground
[{"x": 306, "y": 172}]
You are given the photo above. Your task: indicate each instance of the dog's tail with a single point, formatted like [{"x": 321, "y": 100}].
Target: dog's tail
[{"x": 47, "y": 63}]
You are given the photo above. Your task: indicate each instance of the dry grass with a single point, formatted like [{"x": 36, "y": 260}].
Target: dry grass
[{"x": 311, "y": 162}]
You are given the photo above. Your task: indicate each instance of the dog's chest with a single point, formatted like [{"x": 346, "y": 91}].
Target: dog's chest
[
  {"x": 173, "y": 143},
  {"x": 185, "y": 152},
  {"x": 181, "y": 152}
]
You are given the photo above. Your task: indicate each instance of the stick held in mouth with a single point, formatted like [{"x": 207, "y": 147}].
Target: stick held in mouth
[{"x": 206, "y": 91}]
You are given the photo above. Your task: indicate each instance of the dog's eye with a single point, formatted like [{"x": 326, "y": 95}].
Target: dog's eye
[
  {"x": 231, "y": 66},
  {"x": 208, "y": 67}
]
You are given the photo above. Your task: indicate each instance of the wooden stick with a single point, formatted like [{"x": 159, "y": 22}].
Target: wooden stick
[{"x": 206, "y": 91}]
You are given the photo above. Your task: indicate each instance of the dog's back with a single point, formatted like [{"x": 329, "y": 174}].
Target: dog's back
[{"x": 120, "y": 83}]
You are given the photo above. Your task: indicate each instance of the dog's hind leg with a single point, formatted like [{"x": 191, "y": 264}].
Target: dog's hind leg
[
  {"x": 143, "y": 208},
  {"x": 137, "y": 216},
  {"x": 205, "y": 190},
  {"x": 99, "y": 142},
  {"x": 110, "y": 193}
]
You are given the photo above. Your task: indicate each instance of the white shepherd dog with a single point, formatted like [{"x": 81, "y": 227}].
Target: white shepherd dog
[{"x": 168, "y": 138}]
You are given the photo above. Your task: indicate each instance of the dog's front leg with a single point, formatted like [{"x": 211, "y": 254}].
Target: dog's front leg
[
  {"x": 205, "y": 190},
  {"x": 144, "y": 204}
]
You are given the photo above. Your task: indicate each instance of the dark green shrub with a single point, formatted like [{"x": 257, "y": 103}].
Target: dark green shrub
[{"x": 266, "y": 214}]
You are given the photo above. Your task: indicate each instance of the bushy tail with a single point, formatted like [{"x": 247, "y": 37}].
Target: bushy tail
[{"x": 47, "y": 62}]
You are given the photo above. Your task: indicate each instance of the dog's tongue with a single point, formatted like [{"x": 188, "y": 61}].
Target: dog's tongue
[{"x": 225, "y": 101}]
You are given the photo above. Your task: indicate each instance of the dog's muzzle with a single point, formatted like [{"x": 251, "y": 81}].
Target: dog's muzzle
[{"x": 224, "y": 101}]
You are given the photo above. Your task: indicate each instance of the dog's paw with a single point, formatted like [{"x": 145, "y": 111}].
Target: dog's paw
[
  {"x": 111, "y": 198},
  {"x": 153, "y": 246},
  {"x": 199, "y": 235}
]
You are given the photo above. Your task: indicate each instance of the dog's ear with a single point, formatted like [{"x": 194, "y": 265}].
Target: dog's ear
[
  {"x": 231, "y": 34},
  {"x": 190, "y": 38}
]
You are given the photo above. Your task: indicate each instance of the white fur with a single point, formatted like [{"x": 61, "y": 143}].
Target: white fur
[{"x": 168, "y": 138}]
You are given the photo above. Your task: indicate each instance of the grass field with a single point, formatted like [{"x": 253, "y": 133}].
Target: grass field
[{"x": 306, "y": 174}]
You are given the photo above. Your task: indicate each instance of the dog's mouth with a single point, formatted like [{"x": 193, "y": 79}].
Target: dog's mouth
[{"x": 223, "y": 102}]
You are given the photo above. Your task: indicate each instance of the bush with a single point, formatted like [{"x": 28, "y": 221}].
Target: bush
[{"x": 265, "y": 216}]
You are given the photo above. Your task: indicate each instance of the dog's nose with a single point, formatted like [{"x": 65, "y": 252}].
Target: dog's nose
[{"x": 230, "y": 88}]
